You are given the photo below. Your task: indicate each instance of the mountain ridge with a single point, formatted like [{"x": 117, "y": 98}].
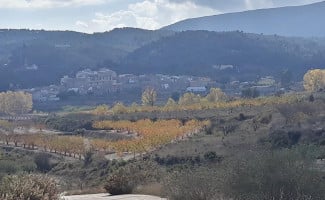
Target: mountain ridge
[{"x": 299, "y": 21}]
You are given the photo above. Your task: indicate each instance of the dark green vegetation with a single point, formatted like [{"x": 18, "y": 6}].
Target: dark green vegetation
[
  {"x": 197, "y": 52},
  {"x": 139, "y": 51},
  {"x": 15, "y": 161},
  {"x": 300, "y": 21},
  {"x": 58, "y": 53},
  {"x": 280, "y": 174}
]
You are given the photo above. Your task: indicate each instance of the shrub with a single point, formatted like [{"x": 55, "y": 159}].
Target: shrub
[
  {"x": 284, "y": 139},
  {"x": 42, "y": 162},
  {"x": 88, "y": 157},
  {"x": 8, "y": 167},
  {"x": 212, "y": 156},
  {"x": 125, "y": 179},
  {"x": 241, "y": 117},
  {"x": 267, "y": 175},
  {"x": 192, "y": 184},
  {"x": 119, "y": 183},
  {"x": 171, "y": 160},
  {"x": 29, "y": 167},
  {"x": 266, "y": 119},
  {"x": 32, "y": 187},
  {"x": 283, "y": 175},
  {"x": 68, "y": 124}
]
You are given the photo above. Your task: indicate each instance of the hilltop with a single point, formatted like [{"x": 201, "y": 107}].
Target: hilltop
[{"x": 302, "y": 21}]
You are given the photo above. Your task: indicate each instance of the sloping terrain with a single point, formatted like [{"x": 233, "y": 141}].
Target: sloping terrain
[
  {"x": 49, "y": 55},
  {"x": 304, "y": 21},
  {"x": 201, "y": 52}
]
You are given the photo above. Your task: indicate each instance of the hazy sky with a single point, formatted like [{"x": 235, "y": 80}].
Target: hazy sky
[{"x": 104, "y": 15}]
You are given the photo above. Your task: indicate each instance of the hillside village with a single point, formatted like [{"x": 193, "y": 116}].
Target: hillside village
[{"x": 106, "y": 82}]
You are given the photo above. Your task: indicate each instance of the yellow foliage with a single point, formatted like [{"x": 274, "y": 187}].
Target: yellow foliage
[
  {"x": 15, "y": 102},
  {"x": 189, "y": 99},
  {"x": 101, "y": 110},
  {"x": 149, "y": 97},
  {"x": 216, "y": 95},
  {"x": 150, "y": 134},
  {"x": 314, "y": 80},
  {"x": 119, "y": 108}
]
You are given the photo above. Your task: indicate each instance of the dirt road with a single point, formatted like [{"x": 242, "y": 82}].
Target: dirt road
[{"x": 107, "y": 197}]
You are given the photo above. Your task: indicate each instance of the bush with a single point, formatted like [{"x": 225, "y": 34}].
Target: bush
[
  {"x": 281, "y": 175},
  {"x": 8, "y": 167},
  {"x": 212, "y": 157},
  {"x": 275, "y": 175},
  {"x": 241, "y": 117},
  {"x": 284, "y": 139},
  {"x": 192, "y": 184},
  {"x": 266, "y": 119},
  {"x": 32, "y": 187},
  {"x": 68, "y": 124},
  {"x": 170, "y": 160},
  {"x": 125, "y": 179},
  {"x": 119, "y": 183},
  {"x": 88, "y": 157},
  {"x": 42, "y": 162}
]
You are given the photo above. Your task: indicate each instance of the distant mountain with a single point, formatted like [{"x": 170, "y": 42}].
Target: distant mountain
[
  {"x": 203, "y": 52},
  {"x": 48, "y": 55},
  {"x": 303, "y": 21}
]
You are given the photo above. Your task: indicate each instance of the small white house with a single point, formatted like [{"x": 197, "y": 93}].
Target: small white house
[{"x": 196, "y": 89}]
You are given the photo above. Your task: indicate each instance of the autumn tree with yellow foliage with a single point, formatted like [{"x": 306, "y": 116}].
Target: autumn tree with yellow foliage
[
  {"x": 119, "y": 108},
  {"x": 101, "y": 110},
  {"x": 314, "y": 80},
  {"x": 15, "y": 102},
  {"x": 215, "y": 95},
  {"x": 189, "y": 98},
  {"x": 149, "y": 97}
]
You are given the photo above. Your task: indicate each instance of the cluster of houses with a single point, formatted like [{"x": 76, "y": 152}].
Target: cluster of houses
[
  {"x": 106, "y": 82},
  {"x": 265, "y": 86}
]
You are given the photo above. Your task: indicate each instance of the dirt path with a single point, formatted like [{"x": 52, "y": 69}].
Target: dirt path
[{"x": 104, "y": 196}]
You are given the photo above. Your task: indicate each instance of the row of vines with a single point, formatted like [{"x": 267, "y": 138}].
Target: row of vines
[{"x": 148, "y": 136}]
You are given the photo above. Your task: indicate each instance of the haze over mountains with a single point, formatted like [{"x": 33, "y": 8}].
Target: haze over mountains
[
  {"x": 303, "y": 21},
  {"x": 49, "y": 55},
  {"x": 201, "y": 52}
]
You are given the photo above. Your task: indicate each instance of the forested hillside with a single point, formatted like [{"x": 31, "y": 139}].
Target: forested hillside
[
  {"x": 201, "y": 52},
  {"x": 49, "y": 55},
  {"x": 57, "y": 53}
]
